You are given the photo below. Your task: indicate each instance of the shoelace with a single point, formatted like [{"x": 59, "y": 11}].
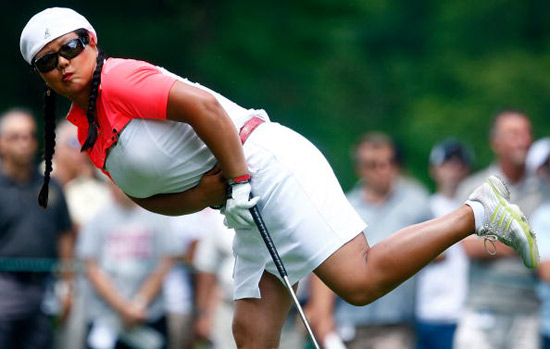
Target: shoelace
[{"x": 491, "y": 238}]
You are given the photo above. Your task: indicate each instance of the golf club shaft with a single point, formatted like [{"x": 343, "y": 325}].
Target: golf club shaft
[{"x": 281, "y": 268}]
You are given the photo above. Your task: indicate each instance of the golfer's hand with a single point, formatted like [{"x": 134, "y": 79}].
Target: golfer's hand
[
  {"x": 213, "y": 187},
  {"x": 236, "y": 210}
]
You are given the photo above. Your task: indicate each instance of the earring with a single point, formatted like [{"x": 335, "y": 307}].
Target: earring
[{"x": 48, "y": 91}]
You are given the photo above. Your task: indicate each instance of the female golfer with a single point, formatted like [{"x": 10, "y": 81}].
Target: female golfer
[{"x": 167, "y": 142}]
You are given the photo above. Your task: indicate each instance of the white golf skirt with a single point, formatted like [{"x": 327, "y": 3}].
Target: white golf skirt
[{"x": 302, "y": 203}]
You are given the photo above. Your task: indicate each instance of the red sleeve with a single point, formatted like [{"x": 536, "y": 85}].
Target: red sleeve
[{"x": 136, "y": 89}]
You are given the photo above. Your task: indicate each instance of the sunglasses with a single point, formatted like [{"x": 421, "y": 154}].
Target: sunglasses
[{"x": 69, "y": 51}]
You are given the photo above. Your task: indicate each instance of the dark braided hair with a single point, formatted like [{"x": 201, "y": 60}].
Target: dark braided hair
[
  {"x": 49, "y": 126},
  {"x": 90, "y": 114},
  {"x": 49, "y": 143}
]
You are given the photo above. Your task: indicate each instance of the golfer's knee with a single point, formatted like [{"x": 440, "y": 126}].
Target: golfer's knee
[
  {"x": 357, "y": 299},
  {"x": 362, "y": 290},
  {"x": 360, "y": 295}
]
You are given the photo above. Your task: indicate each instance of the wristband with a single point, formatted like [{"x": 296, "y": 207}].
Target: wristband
[
  {"x": 234, "y": 181},
  {"x": 238, "y": 180}
]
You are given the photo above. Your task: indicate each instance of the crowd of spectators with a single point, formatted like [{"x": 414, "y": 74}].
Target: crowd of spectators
[{"x": 95, "y": 270}]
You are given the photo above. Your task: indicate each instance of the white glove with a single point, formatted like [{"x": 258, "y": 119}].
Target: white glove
[{"x": 236, "y": 210}]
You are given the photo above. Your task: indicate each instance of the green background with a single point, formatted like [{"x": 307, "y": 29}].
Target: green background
[{"x": 332, "y": 70}]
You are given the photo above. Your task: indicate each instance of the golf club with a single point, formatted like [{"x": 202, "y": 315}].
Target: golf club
[{"x": 281, "y": 268}]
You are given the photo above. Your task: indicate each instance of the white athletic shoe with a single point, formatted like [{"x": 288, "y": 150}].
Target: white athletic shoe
[{"x": 505, "y": 221}]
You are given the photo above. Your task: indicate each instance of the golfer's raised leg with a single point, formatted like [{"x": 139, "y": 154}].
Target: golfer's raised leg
[{"x": 361, "y": 274}]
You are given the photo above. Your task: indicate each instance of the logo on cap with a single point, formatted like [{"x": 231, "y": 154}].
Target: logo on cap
[{"x": 47, "y": 33}]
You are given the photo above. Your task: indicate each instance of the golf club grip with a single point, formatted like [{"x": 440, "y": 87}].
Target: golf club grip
[{"x": 268, "y": 241}]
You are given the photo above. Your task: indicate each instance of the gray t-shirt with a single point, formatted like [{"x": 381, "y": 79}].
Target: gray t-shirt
[
  {"x": 127, "y": 244},
  {"x": 407, "y": 204},
  {"x": 504, "y": 285}
]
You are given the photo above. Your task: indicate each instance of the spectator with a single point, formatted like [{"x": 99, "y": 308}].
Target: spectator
[
  {"x": 440, "y": 298},
  {"x": 28, "y": 233},
  {"x": 502, "y": 307},
  {"x": 85, "y": 188},
  {"x": 86, "y": 192},
  {"x": 538, "y": 160},
  {"x": 178, "y": 283},
  {"x": 388, "y": 202},
  {"x": 214, "y": 264},
  {"x": 127, "y": 252},
  {"x": 68, "y": 161}
]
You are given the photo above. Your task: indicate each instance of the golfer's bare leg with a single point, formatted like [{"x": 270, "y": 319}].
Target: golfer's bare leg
[
  {"x": 360, "y": 274},
  {"x": 257, "y": 323}
]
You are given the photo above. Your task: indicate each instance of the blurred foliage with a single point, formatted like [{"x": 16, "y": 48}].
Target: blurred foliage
[{"x": 331, "y": 69}]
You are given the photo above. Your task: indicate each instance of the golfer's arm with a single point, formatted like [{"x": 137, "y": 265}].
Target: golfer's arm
[
  {"x": 210, "y": 191},
  {"x": 209, "y": 120},
  {"x": 187, "y": 202}
]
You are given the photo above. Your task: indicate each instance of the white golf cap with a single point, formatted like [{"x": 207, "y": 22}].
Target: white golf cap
[
  {"x": 538, "y": 154},
  {"x": 48, "y": 25}
]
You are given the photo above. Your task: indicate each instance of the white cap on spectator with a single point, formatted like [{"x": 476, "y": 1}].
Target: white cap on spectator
[
  {"x": 538, "y": 155},
  {"x": 48, "y": 25}
]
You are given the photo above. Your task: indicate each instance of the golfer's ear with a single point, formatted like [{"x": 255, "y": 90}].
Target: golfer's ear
[{"x": 93, "y": 39}]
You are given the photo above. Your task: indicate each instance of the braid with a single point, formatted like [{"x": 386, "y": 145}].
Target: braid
[
  {"x": 90, "y": 114},
  {"x": 49, "y": 143}
]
